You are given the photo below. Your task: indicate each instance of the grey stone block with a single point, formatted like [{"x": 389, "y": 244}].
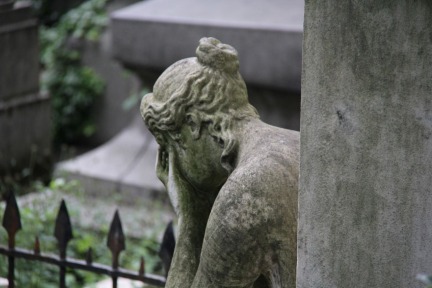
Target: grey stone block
[
  {"x": 267, "y": 34},
  {"x": 109, "y": 114},
  {"x": 123, "y": 165},
  {"x": 277, "y": 107}
]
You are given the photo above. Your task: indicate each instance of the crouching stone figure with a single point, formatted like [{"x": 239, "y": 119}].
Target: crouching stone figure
[{"x": 231, "y": 178}]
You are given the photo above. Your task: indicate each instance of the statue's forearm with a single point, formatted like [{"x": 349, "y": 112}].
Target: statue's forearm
[
  {"x": 193, "y": 209},
  {"x": 186, "y": 256}
]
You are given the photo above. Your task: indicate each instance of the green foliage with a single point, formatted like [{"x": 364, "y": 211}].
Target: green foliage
[
  {"x": 86, "y": 21},
  {"x": 73, "y": 87},
  {"x": 38, "y": 219}
]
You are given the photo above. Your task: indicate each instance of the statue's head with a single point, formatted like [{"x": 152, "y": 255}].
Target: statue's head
[{"x": 205, "y": 93}]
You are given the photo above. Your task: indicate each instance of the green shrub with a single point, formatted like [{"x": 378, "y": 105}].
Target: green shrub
[{"x": 73, "y": 87}]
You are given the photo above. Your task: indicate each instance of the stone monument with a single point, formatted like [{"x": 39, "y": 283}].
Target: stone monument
[
  {"x": 232, "y": 179},
  {"x": 365, "y": 195}
]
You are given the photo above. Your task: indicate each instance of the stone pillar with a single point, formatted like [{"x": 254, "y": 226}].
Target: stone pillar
[{"x": 365, "y": 203}]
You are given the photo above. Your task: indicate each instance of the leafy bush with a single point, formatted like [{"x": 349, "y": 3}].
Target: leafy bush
[{"x": 73, "y": 87}]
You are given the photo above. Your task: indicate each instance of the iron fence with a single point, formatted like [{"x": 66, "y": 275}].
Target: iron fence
[{"x": 63, "y": 234}]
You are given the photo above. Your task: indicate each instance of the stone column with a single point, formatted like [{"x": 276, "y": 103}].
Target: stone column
[{"x": 365, "y": 203}]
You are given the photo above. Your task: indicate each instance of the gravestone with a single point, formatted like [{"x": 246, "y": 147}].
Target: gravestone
[{"x": 365, "y": 200}]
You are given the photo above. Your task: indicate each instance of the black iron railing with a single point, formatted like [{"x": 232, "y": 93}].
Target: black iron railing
[{"x": 63, "y": 234}]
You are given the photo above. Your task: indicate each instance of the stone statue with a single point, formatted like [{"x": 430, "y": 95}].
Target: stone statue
[{"x": 232, "y": 179}]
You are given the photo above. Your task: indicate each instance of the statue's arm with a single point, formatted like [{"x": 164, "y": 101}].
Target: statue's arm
[
  {"x": 231, "y": 255},
  {"x": 192, "y": 210}
]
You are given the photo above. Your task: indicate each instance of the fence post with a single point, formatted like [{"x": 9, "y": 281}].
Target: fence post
[
  {"x": 167, "y": 247},
  {"x": 63, "y": 234},
  {"x": 12, "y": 224},
  {"x": 116, "y": 243},
  {"x": 141, "y": 270}
]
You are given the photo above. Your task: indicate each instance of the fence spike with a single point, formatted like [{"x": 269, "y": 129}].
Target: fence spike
[
  {"x": 141, "y": 270},
  {"x": 116, "y": 239},
  {"x": 89, "y": 256},
  {"x": 12, "y": 219},
  {"x": 63, "y": 229},
  {"x": 166, "y": 250},
  {"x": 36, "y": 248}
]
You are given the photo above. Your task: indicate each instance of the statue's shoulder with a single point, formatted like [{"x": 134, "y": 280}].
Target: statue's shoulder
[
  {"x": 273, "y": 151},
  {"x": 256, "y": 209},
  {"x": 284, "y": 141},
  {"x": 266, "y": 177}
]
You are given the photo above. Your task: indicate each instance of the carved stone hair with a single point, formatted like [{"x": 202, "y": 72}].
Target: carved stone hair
[{"x": 207, "y": 90}]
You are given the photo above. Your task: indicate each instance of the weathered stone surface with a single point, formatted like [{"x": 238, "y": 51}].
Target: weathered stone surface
[
  {"x": 366, "y": 147},
  {"x": 232, "y": 179}
]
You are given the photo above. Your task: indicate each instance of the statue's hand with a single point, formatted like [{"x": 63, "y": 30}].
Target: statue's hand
[
  {"x": 162, "y": 167},
  {"x": 167, "y": 171}
]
